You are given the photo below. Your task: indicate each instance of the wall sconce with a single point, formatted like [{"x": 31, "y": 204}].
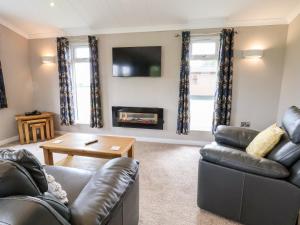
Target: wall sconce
[
  {"x": 253, "y": 54},
  {"x": 48, "y": 59}
]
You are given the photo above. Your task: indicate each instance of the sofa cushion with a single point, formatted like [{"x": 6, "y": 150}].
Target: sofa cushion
[
  {"x": 27, "y": 160},
  {"x": 242, "y": 161},
  {"x": 104, "y": 192},
  {"x": 61, "y": 208},
  {"x": 72, "y": 180},
  {"x": 56, "y": 189},
  {"x": 291, "y": 123},
  {"x": 286, "y": 152},
  {"x": 25, "y": 210},
  {"x": 239, "y": 137},
  {"x": 265, "y": 141},
  {"x": 15, "y": 180}
]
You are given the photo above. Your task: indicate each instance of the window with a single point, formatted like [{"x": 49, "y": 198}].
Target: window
[
  {"x": 203, "y": 77},
  {"x": 80, "y": 54}
]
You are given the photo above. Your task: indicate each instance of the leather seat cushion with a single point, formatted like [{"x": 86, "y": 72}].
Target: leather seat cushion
[
  {"x": 25, "y": 210},
  {"x": 291, "y": 123},
  {"x": 62, "y": 209},
  {"x": 72, "y": 180},
  {"x": 286, "y": 152},
  {"x": 27, "y": 160},
  {"x": 242, "y": 161},
  {"x": 15, "y": 180}
]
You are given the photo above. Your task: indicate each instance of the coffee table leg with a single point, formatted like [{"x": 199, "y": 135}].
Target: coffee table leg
[
  {"x": 131, "y": 152},
  {"x": 48, "y": 157}
]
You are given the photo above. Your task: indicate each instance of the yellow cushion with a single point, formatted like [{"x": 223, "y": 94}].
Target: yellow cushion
[{"x": 265, "y": 141}]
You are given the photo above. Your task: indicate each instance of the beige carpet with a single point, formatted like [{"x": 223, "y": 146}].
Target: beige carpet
[{"x": 168, "y": 184}]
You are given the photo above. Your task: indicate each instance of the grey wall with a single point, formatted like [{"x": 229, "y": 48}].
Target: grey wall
[
  {"x": 290, "y": 89},
  {"x": 256, "y": 84},
  {"x": 17, "y": 78},
  {"x": 147, "y": 92}
]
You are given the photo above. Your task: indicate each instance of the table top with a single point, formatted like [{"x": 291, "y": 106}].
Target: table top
[
  {"x": 43, "y": 115},
  {"x": 75, "y": 142}
]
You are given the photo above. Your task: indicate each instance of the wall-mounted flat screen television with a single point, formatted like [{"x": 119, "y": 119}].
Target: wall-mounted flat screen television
[{"x": 137, "y": 61}]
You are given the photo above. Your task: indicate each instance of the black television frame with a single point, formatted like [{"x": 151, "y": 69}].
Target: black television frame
[{"x": 160, "y": 47}]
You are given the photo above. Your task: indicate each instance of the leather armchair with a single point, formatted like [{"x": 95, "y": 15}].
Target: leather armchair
[
  {"x": 109, "y": 196},
  {"x": 248, "y": 189}
]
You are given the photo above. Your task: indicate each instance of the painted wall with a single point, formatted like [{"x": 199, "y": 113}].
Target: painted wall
[
  {"x": 256, "y": 84},
  {"x": 17, "y": 79},
  {"x": 290, "y": 89},
  {"x": 148, "y": 92}
]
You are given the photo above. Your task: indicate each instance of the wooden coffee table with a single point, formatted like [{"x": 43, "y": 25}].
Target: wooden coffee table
[{"x": 74, "y": 144}]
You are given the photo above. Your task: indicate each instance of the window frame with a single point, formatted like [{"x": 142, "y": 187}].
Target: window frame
[
  {"x": 204, "y": 57},
  {"x": 74, "y": 60},
  {"x": 215, "y": 39}
]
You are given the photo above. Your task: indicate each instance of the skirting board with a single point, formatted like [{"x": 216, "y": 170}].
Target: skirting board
[
  {"x": 156, "y": 140},
  {"x": 8, "y": 140}
]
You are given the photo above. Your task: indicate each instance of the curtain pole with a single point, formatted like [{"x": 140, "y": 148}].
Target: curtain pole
[{"x": 204, "y": 34}]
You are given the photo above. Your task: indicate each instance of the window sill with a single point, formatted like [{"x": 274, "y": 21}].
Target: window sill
[
  {"x": 81, "y": 123},
  {"x": 201, "y": 130}
]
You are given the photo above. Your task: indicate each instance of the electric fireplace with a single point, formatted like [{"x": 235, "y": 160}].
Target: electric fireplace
[{"x": 137, "y": 117}]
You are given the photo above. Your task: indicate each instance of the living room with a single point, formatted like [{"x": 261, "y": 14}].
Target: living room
[{"x": 124, "y": 94}]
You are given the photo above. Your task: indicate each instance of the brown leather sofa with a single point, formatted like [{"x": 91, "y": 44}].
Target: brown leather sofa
[{"x": 110, "y": 196}]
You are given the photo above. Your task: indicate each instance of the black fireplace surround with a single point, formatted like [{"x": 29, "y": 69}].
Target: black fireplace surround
[{"x": 138, "y": 117}]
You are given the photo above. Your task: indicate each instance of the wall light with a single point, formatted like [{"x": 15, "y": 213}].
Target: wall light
[
  {"x": 253, "y": 54},
  {"x": 52, "y": 3},
  {"x": 48, "y": 59}
]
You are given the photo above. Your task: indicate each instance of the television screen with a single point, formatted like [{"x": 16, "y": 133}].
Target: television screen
[{"x": 137, "y": 62}]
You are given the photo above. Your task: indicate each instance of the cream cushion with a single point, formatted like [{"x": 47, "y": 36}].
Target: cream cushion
[
  {"x": 55, "y": 189},
  {"x": 265, "y": 141}
]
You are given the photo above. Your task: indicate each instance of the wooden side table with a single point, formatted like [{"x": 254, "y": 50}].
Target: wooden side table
[
  {"x": 34, "y": 128},
  {"x": 24, "y": 122}
]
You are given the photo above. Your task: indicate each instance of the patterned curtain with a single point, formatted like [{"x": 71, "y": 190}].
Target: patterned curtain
[
  {"x": 3, "y": 102},
  {"x": 67, "y": 112},
  {"x": 223, "y": 95},
  {"x": 183, "y": 119},
  {"x": 96, "y": 109}
]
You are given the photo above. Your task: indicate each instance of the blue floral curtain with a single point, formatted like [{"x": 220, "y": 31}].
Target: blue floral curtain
[
  {"x": 223, "y": 95},
  {"x": 67, "y": 113},
  {"x": 3, "y": 101},
  {"x": 96, "y": 109},
  {"x": 183, "y": 119}
]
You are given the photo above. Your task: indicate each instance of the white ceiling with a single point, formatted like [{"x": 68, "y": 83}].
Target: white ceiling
[{"x": 36, "y": 19}]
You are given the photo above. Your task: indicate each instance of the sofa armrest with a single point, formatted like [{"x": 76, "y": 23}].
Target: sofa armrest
[
  {"x": 242, "y": 161},
  {"x": 239, "y": 137},
  {"x": 104, "y": 192},
  {"x": 23, "y": 210}
]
